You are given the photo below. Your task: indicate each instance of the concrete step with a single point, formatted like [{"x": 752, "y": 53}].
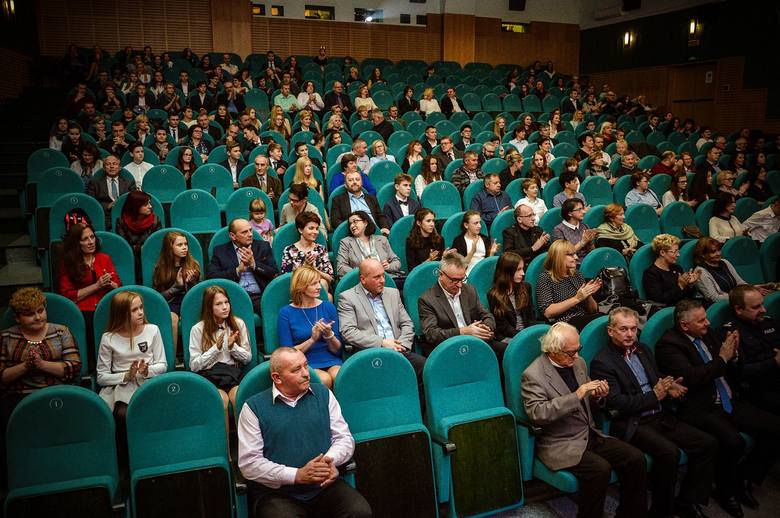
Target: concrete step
[{"x": 17, "y": 275}]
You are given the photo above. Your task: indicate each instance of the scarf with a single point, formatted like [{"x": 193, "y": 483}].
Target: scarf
[
  {"x": 621, "y": 233},
  {"x": 138, "y": 226}
]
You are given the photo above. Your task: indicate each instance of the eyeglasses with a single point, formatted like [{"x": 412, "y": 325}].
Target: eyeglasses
[
  {"x": 454, "y": 280},
  {"x": 572, "y": 354}
]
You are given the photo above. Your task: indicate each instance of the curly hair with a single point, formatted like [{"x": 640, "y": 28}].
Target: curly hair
[{"x": 26, "y": 300}]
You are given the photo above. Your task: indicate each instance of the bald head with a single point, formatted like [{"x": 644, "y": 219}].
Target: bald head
[{"x": 372, "y": 276}]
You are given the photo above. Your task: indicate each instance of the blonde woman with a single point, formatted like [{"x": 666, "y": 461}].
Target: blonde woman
[
  {"x": 428, "y": 104},
  {"x": 219, "y": 345},
  {"x": 304, "y": 173},
  {"x": 379, "y": 153},
  {"x": 664, "y": 280},
  {"x": 499, "y": 127},
  {"x": 310, "y": 325}
]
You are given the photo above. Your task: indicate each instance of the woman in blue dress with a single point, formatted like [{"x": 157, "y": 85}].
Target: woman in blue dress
[{"x": 310, "y": 325}]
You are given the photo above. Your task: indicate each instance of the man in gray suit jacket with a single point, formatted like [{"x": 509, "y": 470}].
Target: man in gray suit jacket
[
  {"x": 557, "y": 396},
  {"x": 372, "y": 315},
  {"x": 450, "y": 308}
]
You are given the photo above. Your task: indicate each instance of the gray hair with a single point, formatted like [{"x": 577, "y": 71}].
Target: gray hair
[
  {"x": 276, "y": 362},
  {"x": 453, "y": 260},
  {"x": 624, "y": 312},
  {"x": 683, "y": 309},
  {"x": 554, "y": 340}
]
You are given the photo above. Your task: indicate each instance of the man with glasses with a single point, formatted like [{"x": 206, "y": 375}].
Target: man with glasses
[
  {"x": 270, "y": 185},
  {"x": 524, "y": 238},
  {"x": 298, "y": 203},
  {"x": 337, "y": 97},
  {"x": 639, "y": 394},
  {"x": 558, "y": 397},
  {"x": 451, "y": 308}
]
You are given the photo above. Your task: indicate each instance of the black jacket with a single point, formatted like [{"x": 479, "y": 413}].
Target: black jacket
[
  {"x": 519, "y": 241},
  {"x": 506, "y": 324}
]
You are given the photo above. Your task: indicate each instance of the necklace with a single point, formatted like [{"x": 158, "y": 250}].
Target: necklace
[{"x": 316, "y": 315}]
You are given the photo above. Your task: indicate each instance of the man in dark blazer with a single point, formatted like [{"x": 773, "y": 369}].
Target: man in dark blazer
[
  {"x": 109, "y": 188},
  {"x": 710, "y": 162},
  {"x": 572, "y": 103},
  {"x": 451, "y": 308},
  {"x": 337, "y": 97},
  {"x": 710, "y": 368},
  {"x": 559, "y": 398},
  {"x": 234, "y": 163},
  {"x": 243, "y": 260},
  {"x": 524, "y": 238},
  {"x": 637, "y": 393},
  {"x": 270, "y": 185},
  {"x": 355, "y": 199},
  {"x": 450, "y": 101},
  {"x": 201, "y": 99},
  {"x": 141, "y": 100},
  {"x": 447, "y": 152},
  {"x": 402, "y": 204}
]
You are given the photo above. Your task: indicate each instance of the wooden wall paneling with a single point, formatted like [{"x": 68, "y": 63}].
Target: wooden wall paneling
[
  {"x": 458, "y": 42},
  {"x": 231, "y": 26},
  {"x": 16, "y": 69},
  {"x": 199, "y": 23}
]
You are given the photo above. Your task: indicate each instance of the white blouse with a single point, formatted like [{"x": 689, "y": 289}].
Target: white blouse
[
  {"x": 115, "y": 357},
  {"x": 538, "y": 206},
  {"x": 368, "y": 101},
  {"x": 203, "y": 360},
  {"x": 479, "y": 253},
  {"x": 431, "y": 106}
]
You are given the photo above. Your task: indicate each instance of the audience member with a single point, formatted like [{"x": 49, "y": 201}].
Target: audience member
[
  {"x": 468, "y": 173},
  {"x": 107, "y": 189},
  {"x": 337, "y": 97},
  {"x": 678, "y": 191},
  {"x": 414, "y": 154},
  {"x": 234, "y": 162},
  {"x": 451, "y": 103},
  {"x": 491, "y": 201},
  {"x": 525, "y": 238},
  {"x": 219, "y": 346},
  {"x": 540, "y": 171},
  {"x": 355, "y": 199},
  {"x": 759, "y": 189},
  {"x": 616, "y": 233},
  {"x": 298, "y": 203},
  {"x": 185, "y": 163},
  {"x": 664, "y": 280},
  {"x": 562, "y": 293},
  {"x": 311, "y": 325},
  {"x": 372, "y": 315},
  {"x": 307, "y": 250},
  {"x": 514, "y": 169},
  {"x": 573, "y": 230},
  {"x": 432, "y": 171},
  {"x": 402, "y": 204},
  {"x": 532, "y": 199},
  {"x": 174, "y": 274},
  {"x": 424, "y": 242},
  {"x": 714, "y": 403},
  {"x": 644, "y": 420},
  {"x": 349, "y": 163},
  {"x": 136, "y": 223},
  {"x": 559, "y": 397},
  {"x": 289, "y": 453},
  {"x": 261, "y": 223},
  {"x": 725, "y": 181},
  {"x": 471, "y": 244},
  {"x": 264, "y": 181},
  {"x": 641, "y": 192},
  {"x": 724, "y": 224},
  {"x": 570, "y": 183},
  {"x": 510, "y": 297},
  {"x": 451, "y": 308},
  {"x": 428, "y": 104},
  {"x": 765, "y": 222},
  {"x": 363, "y": 243},
  {"x": 244, "y": 260},
  {"x": 700, "y": 188},
  {"x": 717, "y": 276},
  {"x": 379, "y": 151}
]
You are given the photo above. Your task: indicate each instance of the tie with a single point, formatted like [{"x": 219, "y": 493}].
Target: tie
[
  {"x": 341, "y": 104},
  {"x": 451, "y": 155},
  {"x": 720, "y": 383},
  {"x": 175, "y": 136},
  {"x": 114, "y": 189},
  {"x": 262, "y": 183}
]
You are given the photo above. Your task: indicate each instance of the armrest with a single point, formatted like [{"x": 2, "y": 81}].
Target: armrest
[
  {"x": 448, "y": 446},
  {"x": 532, "y": 429},
  {"x": 348, "y": 468}
]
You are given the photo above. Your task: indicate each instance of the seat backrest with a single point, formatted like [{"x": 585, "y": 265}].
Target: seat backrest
[
  {"x": 42, "y": 159},
  {"x": 644, "y": 220},
  {"x": 742, "y": 252},
  {"x": 656, "y": 326},
  {"x": 675, "y": 216},
  {"x": 745, "y": 208},
  {"x": 175, "y": 418},
  {"x": 772, "y": 304},
  {"x": 481, "y": 277},
  {"x": 401, "y": 230},
  {"x": 165, "y": 182},
  {"x": 719, "y": 313},
  {"x": 286, "y": 235},
  {"x": 121, "y": 254},
  {"x": 214, "y": 178},
  {"x": 597, "y": 190},
  {"x": 460, "y": 376},
  {"x": 494, "y": 165},
  {"x": 197, "y": 211},
  {"x": 377, "y": 389},
  {"x": 595, "y": 216},
  {"x": 532, "y": 271},
  {"x": 422, "y": 277},
  {"x": 156, "y": 310},
  {"x": 150, "y": 252},
  {"x": 598, "y": 258},
  {"x": 472, "y": 191},
  {"x": 452, "y": 228},
  {"x": 523, "y": 349},
  {"x": 257, "y": 380},
  {"x": 703, "y": 215},
  {"x": 660, "y": 183},
  {"x": 61, "y": 434},
  {"x": 116, "y": 210},
  {"x": 240, "y": 303},
  {"x": 593, "y": 338},
  {"x": 68, "y": 202},
  {"x": 621, "y": 189},
  {"x": 442, "y": 198},
  {"x": 172, "y": 158},
  {"x": 770, "y": 254},
  {"x": 642, "y": 258},
  {"x": 550, "y": 220},
  {"x": 503, "y": 221},
  {"x": 56, "y": 182}
]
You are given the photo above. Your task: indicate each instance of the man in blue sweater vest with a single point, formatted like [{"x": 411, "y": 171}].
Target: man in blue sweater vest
[{"x": 291, "y": 438}]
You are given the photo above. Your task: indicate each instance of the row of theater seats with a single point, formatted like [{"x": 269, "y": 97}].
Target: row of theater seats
[{"x": 474, "y": 450}]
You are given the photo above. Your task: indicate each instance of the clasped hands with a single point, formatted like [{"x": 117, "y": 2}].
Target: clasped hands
[
  {"x": 478, "y": 329},
  {"x": 319, "y": 470},
  {"x": 137, "y": 367}
]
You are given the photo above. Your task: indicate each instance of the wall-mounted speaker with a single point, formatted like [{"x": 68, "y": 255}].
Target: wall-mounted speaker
[{"x": 517, "y": 5}]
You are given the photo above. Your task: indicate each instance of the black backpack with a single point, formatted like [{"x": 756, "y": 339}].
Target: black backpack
[{"x": 614, "y": 283}]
